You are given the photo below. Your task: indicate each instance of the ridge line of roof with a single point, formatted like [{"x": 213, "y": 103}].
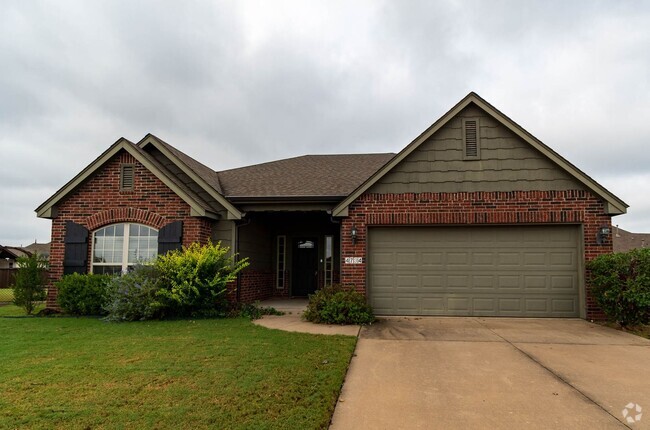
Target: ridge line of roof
[{"x": 304, "y": 156}]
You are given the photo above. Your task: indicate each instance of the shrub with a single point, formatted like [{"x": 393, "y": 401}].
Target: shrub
[
  {"x": 253, "y": 311},
  {"x": 335, "y": 304},
  {"x": 134, "y": 296},
  {"x": 620, "y": 284},
  {"x": 85, "y": 294},
  {"x": 29, "y": 286},
  {"x": 194, "y": 280}
]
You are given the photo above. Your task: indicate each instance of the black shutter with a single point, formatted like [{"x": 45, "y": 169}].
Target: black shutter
[
  {"x": 75, "y": 259},
  {"x": 170, "y": 237}
]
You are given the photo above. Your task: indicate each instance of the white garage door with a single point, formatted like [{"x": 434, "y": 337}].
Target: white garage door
[{"x": 475, "y": 271}]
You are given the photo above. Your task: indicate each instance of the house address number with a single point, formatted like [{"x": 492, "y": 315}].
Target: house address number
[{"x": 353, "y": 260}]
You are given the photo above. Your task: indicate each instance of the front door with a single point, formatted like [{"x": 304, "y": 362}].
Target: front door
[{"x": 304, "y": 267}]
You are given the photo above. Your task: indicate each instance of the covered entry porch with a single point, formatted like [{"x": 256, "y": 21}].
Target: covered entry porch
[{"x": 291, "y": 254}]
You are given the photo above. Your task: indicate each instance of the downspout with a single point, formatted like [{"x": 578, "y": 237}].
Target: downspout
[{"x": 238, "y": 224}]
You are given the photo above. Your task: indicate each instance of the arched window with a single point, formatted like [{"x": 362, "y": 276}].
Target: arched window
[{"x": 118, "y": 246}]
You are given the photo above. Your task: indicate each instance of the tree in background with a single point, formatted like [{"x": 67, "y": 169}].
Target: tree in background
[{"x": 29, "y": 286}]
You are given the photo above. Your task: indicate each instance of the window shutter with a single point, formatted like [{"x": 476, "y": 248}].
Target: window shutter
[
  {"x": 471, "y": 138},
  {"x": 127, "y": 177},
  {"x": 75, "y": 259},
  {"x": 170, "y": 237}
]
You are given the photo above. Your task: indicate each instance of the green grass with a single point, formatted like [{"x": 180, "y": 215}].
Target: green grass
[
  {"x": 227, "y": 374},
  {"x": 9, "y": 310}
]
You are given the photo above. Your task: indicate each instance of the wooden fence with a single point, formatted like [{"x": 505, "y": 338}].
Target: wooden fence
[{"x": 7, "y": 277}]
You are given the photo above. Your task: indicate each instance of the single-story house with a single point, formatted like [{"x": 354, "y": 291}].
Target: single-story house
[
  {"x": 624, "y": 240},
  {"x": 9, "y": 256},
  {"x": 474, "y": 217}
]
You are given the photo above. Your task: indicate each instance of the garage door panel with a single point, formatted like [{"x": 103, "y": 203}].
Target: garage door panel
[
  {"x": 434, "y": 305},
  {"x": 484, "y": 305},
  {"x": 562, "y": 259},
  {"x": 563, "y": 283},
  {"x": 508, "y": 282},
  {"x": 507, "y": 271},
  {"x": 482, "y": 258},
  {"x": 483, "y": 282},
  {"x": 505, "y": 259},
  {"x": 432, "y": 259},
  {"x": 458, "y": 304},
  {"x": 407, "y": 259},
  {"x": 382, "y": 258},
  {"x": 538, "y": 259}
]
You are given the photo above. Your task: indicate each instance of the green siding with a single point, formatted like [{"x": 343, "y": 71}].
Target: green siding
[
  {"x": 223, "y": 231},
  {"x": 507, "y": 163}
]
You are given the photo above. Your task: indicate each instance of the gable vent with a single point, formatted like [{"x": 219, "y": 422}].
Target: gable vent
[
  {"x": 127, "y": 177},
  {"x": 471, "y": 139}
]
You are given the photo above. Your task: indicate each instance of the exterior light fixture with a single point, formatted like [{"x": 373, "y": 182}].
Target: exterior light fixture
[
  {"x": 603, "y": 232},
  {"x": 353, "y": 233}
]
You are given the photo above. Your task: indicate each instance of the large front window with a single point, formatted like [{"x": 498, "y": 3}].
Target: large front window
[{"x": 117, "y": 247}]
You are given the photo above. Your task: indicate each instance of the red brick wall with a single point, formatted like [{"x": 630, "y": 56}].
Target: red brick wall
[
  {"x": 99, "y": 201},
  {"x": 478, "y": 208},
  {"x": 254, "y": 285}
]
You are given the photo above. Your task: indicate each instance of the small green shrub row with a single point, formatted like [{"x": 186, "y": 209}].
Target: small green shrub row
[
  {"x": 336, "y": 304},
  {"x": 191, "y": 282},
  {"x": 85, "y": 294},
  {"x": 620, "y": 284}
]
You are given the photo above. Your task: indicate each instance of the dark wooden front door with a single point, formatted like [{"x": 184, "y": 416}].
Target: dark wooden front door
[{"x": 304, "y": 280}]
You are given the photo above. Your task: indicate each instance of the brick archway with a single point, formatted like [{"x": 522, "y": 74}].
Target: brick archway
[{"x": 127, "y": 214}]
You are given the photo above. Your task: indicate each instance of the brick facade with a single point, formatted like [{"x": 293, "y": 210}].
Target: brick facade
[
  {"x": 99, "y": 202},
  {"x": 478, "y": 208}
]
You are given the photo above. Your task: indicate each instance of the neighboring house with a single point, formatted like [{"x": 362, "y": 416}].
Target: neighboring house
[
  {"x": 42, "y": 249},
  {"x": 9, "y": 254},
  {"x": 626, "y": 241},
  {"x": 474, "y": 217}
]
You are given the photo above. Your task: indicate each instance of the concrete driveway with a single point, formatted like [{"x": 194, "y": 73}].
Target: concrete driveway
[{"x": 494, "y": 373}]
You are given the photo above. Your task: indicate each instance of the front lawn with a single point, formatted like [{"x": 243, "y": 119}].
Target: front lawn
[{"x": 223, "y": 373}]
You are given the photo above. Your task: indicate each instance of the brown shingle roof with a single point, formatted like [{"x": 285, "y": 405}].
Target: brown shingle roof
[
  {"x": 208, "y": 175},
  {"x": 308, "y": 175},
  {"x": 624, "y": 241}
]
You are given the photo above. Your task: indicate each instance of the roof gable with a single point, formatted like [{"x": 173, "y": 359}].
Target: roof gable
[
  {"x": 202, "y": 175},
  {"x": 198, "y": 208},
  {"x": 614, "y": 205}
]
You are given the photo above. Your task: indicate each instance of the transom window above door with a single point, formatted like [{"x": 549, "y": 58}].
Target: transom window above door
[
  {"x": 117, "y": 247},
  {"x": 305, "y": 244}
]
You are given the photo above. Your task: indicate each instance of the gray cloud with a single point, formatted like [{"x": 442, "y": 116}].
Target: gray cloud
[{"x": 235, "y": 83}]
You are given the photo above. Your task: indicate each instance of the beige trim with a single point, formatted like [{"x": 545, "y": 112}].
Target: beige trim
[
  {"x": 233, "y": 212},
  {"x": 47, "y": 209},
  {"x": 614, "y": 205}
]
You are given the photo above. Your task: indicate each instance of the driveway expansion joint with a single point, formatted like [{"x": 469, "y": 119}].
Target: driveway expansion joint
[{"x": 556, "y": 375}]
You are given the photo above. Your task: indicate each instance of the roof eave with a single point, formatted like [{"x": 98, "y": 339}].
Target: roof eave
[
  {"x": 48, "y": 209},
  {"x": 150, "y": 139},
  {"x": 613, "y": 206}
]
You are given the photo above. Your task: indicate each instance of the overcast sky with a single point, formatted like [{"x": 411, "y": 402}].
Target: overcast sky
[{"x": 236, "y": 83}]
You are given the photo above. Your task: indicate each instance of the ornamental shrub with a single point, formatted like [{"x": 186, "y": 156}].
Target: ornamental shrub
[
  {"x": 134, "y": 296},
  {"x": 84, "y": 294},
  {"x": 253, "y": 311},
  {"x": 336, "y": 304},
  {"x": 194, "y": 280},
  {"x": 620, "y": 284},
  {"x": 29, "y": 287}
]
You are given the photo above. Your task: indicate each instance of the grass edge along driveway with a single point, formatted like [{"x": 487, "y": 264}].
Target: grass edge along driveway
[{"x": 218, "y": 373}]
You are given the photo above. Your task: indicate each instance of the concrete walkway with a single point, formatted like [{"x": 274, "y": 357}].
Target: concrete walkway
[
  {"x": 292, "y": 320},
  {"x": 494, "y": 373}
]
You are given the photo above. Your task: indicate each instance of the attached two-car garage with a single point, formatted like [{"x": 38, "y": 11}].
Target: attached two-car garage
[{"x": 529, "y": 271}]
